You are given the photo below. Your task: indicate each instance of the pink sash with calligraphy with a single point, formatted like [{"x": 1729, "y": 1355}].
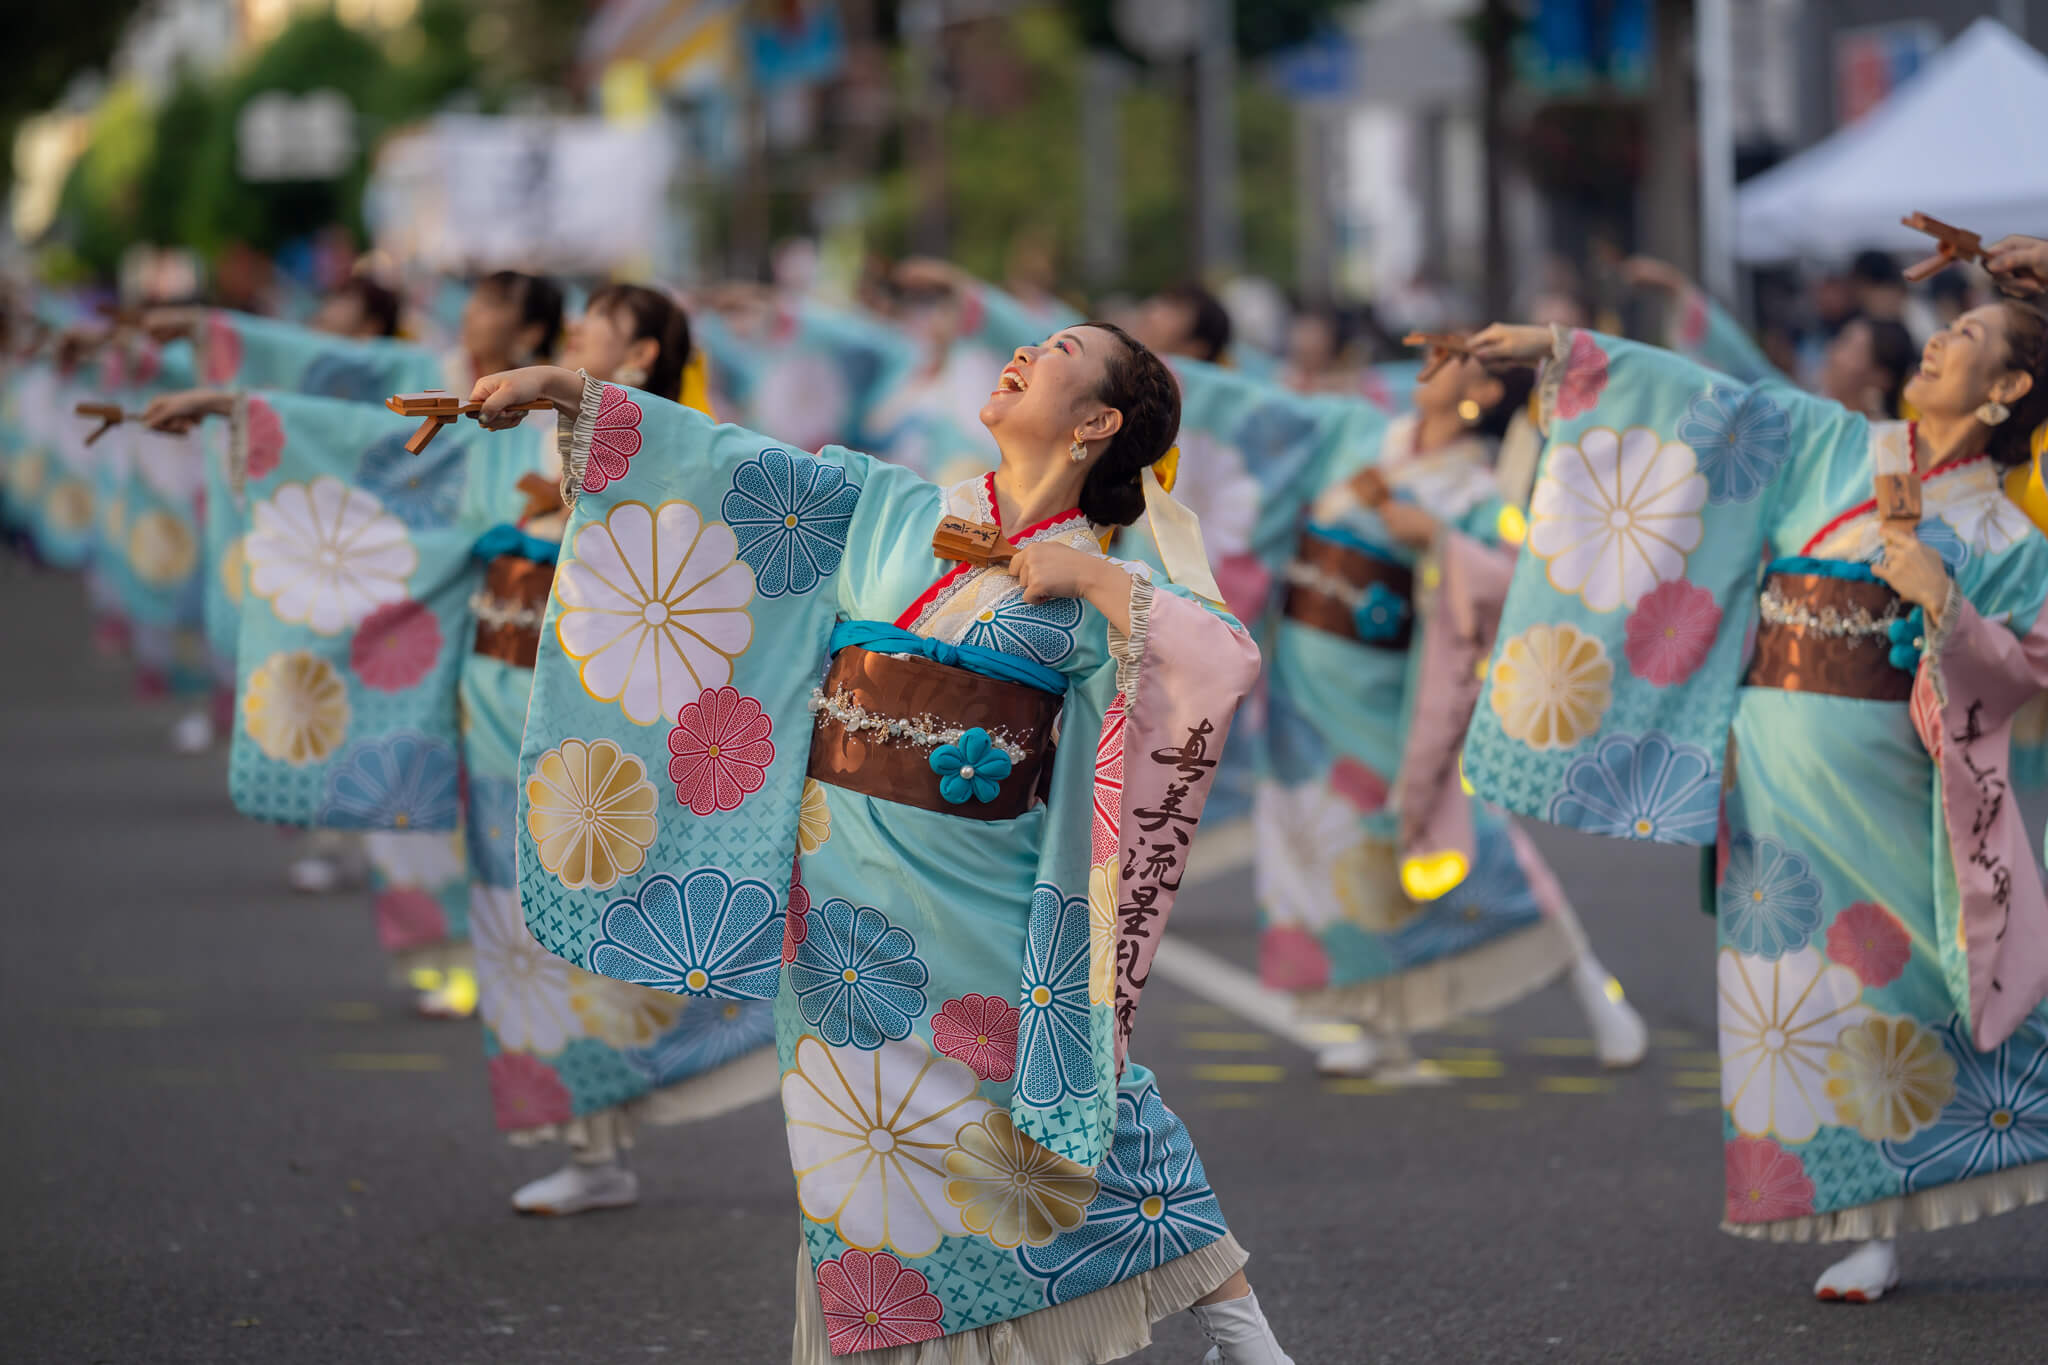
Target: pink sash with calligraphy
[
  {"x": 1197, "y": 667},
  {"x": 1461, "y": 618},
  {"x": 1963, "y": 709}
]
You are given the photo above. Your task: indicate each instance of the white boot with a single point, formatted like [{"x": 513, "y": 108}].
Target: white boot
[
  {"x": 1240, "y": 1332},
  {"x": 314, "y": 875},
  {"x": 1620, "y": 1039},
  {"x": 193, "y": 734},
  {"x": 578, "y": 1188},
  {"x": 1863, "y": 1276},
  {"x": 1358, "y": 1056}
]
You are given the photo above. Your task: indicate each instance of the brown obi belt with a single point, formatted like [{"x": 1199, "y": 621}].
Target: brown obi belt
[
  {"x": 897, "y": 728},
  {"x": 1350, "y": 592},
  {"x": 509, "y": 609},
  {"x": 1821, "y": 633}
]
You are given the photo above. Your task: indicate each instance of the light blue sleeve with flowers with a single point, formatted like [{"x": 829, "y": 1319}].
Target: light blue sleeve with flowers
[
  {"x": 1703, "y": 331},
  {"x": 355, "y": 616},
  {"x": 1613, "y": 678},
  {"x": 687, "y": 627},
  {"x": 243, "y": 351}
]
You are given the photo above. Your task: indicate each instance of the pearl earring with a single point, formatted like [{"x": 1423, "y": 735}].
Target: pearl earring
[
  {"x": 1077, "y": 452},
  {"x": 1991, "y": 412}
]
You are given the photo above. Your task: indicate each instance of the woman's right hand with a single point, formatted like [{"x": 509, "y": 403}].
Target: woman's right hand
[
  {"x": 178, "y": 413},
  {"x": 2019, "y": 264},
  {"x": 560, "y": 389},
  {"x": 1507, "y": 343}
]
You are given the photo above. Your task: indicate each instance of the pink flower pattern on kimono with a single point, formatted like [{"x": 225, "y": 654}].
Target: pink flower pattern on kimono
[
  {"x": 1692, "y": 321},
  {"x": 222, "y": 348},
  {"x": 1364, "y": 789},
  {"x": 408, "y": 917},
  {"x": 1292, "y": 959},
  {"x": 872, "y": 1301},
  {"x": 1109, "y": 784},
  {"x": 1869, "y": 940},
  {"x": 1671, "y": 632},
  {"x": 614, "y": 441},
  {"x": 265, "y": 436},
  {"x": 526, "y": 1093},
  {"x": 1766, "y": 1183},
  {"x": 1585, "y": 377},
  {"x": 980, "y": 1030},
  {"x": 395, "y": 646},
  {"x": 721, "y": 750},
  {"x": 796, "y": 924}
]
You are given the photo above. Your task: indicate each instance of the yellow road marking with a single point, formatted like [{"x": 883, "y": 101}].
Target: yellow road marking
[
  {"x": 1697, "y": 1080},
  {"x": 1575, "y": 1085},
  {"x": 1673, "y": 1037},
  {"x": 1559, "y": 1047},
  {"x": 1358, "y": 1085},
  {"x": 1465, "y": 1068},
  {"x": 1239, "y": 1073},
  {"x": 1696, "y": 1059}
]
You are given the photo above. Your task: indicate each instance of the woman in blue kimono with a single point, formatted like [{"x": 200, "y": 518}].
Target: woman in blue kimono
[
  {"x": 1359, "y": 925},
  {"x": 953, "y": 920},
  {"x": 1883, "y": 931},
  {"x": 573, "y": 1056}
]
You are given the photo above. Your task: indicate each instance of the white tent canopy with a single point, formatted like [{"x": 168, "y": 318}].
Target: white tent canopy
[{"x": 1966, "y": 140}]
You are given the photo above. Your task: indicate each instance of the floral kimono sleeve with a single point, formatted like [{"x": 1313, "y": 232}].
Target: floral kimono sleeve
[
  {"x": 354, "y": 621},
  {"x": 1702, "y": 331},
  {"x": 1621, "y": 642},
  {"x": 1253, "y": 457},
  {"x": 663, "y": 761},
  {"x": 1985, "y": 660},
  {"x": 241, "y": 351},
  {"x": 157, "y": 542}
]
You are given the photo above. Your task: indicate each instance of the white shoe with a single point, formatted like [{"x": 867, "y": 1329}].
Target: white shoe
[
  {"x": 314, "y": 876},
  {"x": 1241, "y": 1334},
  {"x": 1865, "y": 1275},
  {"x": 193, "y": 734},
  {"x": 1359, "y": 1056},
  {"x": 578, "y": 1189},
  {"x": 1620, "y": 1039}
]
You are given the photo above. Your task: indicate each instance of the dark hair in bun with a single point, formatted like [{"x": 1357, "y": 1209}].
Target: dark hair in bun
[
  {"x": 657, "y": 317},
  {"x": 1137, "y": 384},
  {"x": 1516, "y": 382},
  {"x": 2026, "y": 348}
]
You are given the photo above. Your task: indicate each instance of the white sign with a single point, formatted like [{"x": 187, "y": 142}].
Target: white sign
[{"x": 279, "y": 136}]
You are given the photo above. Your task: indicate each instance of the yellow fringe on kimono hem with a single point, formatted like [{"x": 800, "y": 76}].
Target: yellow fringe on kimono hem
[
  {"x": 1479, "y": 981},
  {"x": 1966, "y": 1201}
]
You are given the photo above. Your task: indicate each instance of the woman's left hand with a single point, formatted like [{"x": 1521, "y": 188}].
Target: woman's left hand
[
  {"x": 1050, "y": 570},
  {"x": 1408, "y": 523},
  {"x": 1914, "y": 571}
]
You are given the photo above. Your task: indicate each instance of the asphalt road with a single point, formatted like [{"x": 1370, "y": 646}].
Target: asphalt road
[{"x": 225, "y": 1139}]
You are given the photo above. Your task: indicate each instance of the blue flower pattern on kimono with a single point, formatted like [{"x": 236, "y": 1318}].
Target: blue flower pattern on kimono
[
  {"x": 1741, "y": 439},
  {"x": 1055, "y": 1054},
  {"x": 420, "y": 490},
  {"x": 708, "y": 1035},
  {"x": 705, "y": 935},
  {"x": 1654, "y": 788},
  {"x": 790, "y": 515},
  {"x": 490, "y": 832},
  {"x": 971, "y": 768},
  {"x": 399, "y": 782},
  {"x": 1494, "y": 893},
  {"x": 1380, "y": 615},
  {"x": 1041, "y": 631},
  {"x": 1154, "y": 1205},
  {"x": 1937, "y": 535},
  {"x": 1770, "y": 899},
  {"x": 1998, "y": 1119},
  {"x": 857, "y": 977}
]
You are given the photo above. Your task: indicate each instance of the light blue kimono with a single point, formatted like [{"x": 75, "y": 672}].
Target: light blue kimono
[
  {"x": 1857, "y": 1102},
  {"x": 949, "y": 993}
]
